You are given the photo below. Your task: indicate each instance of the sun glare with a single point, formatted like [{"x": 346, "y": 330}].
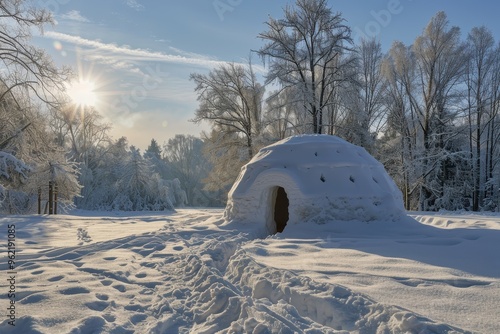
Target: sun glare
[{"x": 82, "y": 93}]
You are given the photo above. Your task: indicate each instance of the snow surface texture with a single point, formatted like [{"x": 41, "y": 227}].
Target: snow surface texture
[
  {"x": 187, "y": 273},
  {"x": 323, "y": 176}
]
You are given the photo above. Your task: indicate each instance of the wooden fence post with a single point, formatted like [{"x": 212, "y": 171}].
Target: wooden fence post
[
  {"x": 55, "y": 198},
  {"x": 51, "y": 198},
  {"x": 39, "y": 200}
]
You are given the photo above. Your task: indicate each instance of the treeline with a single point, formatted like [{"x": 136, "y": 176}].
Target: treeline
[
  {"x": 45, "y": 138},
  {"x": 428, "y": 111},
  {"x": 71, "y": 148}
]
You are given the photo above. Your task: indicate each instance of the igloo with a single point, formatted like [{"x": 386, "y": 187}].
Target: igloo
[{"x": 312, "y": 179}]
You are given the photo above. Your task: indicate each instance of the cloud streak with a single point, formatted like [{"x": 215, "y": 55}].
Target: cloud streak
[
  {"x": 128, "y": 54},
  {"x": 134, "y": 54}
]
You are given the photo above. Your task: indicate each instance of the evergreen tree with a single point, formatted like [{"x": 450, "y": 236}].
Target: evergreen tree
[{"x": 153, "y": 150}]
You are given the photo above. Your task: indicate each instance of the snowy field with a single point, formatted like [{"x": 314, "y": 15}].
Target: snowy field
[{"x": 187, "y": 272}]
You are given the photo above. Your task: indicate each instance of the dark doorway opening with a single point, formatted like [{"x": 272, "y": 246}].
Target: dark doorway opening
[{"x": 281, "y": 209}]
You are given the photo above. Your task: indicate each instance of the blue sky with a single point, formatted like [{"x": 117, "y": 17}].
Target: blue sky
[{"x": 139, "y": 53}]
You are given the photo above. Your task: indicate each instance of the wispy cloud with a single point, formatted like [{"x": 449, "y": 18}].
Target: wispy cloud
[
  {"x": 134, "y": 5},
  {"x": 124, "y": 56},
  {"x": 134, "y": 54},
  {"x": 113, "y": 62},
  {"x": 191, "y": 54},
  {"x": 74, "y": 15}
]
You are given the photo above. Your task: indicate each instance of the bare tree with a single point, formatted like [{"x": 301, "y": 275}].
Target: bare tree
[
  {"x": 429, "y": 72},
  {"x": 478, "y": 77},
  {"x": 372, "y": 90},
  {"x": 492, "y": 164},
  {"x": 81, "y": 129},
  {"x": 284, "y": 116},
  {"x": 304, "y": 51},
  {"x": 399, "y": 143},
  {"x": 231, "y": 101},
  {"x": 25, "y": 66}
]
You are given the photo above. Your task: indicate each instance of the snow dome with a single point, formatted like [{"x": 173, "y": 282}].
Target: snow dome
[{"x": 312, "y": 178}]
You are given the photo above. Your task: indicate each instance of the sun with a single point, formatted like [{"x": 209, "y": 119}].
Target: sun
[{"x": 82, "y": 93}]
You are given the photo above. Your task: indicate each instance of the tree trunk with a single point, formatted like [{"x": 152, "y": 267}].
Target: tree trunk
[
  {"x": 315, "y": 119},
  {"x": 250, "y": 148},
  {"x": 477, "y": 165}
]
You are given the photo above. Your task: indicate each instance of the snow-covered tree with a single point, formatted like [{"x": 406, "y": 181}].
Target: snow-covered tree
[
  {"x": 479, "y": 77},
  {"x": 439, "y": 64},
  {"x": 305, "y": 50},
  {"x": 424, "y": 82},
  {"x": 139, "y": 187},
  {"x": 10, "y": 166},
  {"x": 231, "y": 101},
  {"x": 153, "y": 150},
  {"x": 186, "y": 162},
  {"x": 62, "y": 173},
  {"x": 26, "y": 151},
  {"x": 285, "y": 115},
  {"x": 23, "y": 66},
  {"x": 81, "y": 130},
  {"x": 370, "y": 116},
  {"x": 154, "y": 155},
  {"x": 99, "y": 179},
  {"x": 227, "y": 158},
  {"x": 397, "y": 147}
]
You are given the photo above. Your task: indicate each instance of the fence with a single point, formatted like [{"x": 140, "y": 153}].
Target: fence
[{"x": 51, "y": 203}]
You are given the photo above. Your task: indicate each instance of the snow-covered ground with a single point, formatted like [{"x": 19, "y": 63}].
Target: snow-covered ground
[{"x": 187, "y": 272}]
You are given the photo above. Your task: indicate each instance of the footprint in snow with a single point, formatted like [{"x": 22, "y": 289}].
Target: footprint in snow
[
  {"x": 97, "y": 305},
  {"x": 120, "y": 287},
  {"x": 30, "y": 266},
  {"x": 92, "y": 324},
  {"x": 55, "y": 278},
  {"x": 32, "y": 299},
  {"x": 136, "y": 318},
  {"x": 109, "y": 317},
  {"x": 101, "y": 296},
  {"x": 134, "y": 307},
  {"x": 106, "y": 282},
  {"x": 74, "y": 291}
]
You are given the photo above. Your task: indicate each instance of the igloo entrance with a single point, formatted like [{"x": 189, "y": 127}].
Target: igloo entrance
[{"x": 280, "y": 207}]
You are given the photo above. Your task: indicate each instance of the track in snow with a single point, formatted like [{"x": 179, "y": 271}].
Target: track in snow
[{"x": 184, "y": 279}]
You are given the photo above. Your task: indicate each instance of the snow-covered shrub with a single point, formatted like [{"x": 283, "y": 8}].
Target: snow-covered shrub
[
  {"x": 172, "y": 188},
  {"x": 9, "y": 165},
  {"x": 16, "y": 202}
]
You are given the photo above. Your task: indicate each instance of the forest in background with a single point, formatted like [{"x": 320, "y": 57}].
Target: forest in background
[{"x": 428, "y": 111}]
